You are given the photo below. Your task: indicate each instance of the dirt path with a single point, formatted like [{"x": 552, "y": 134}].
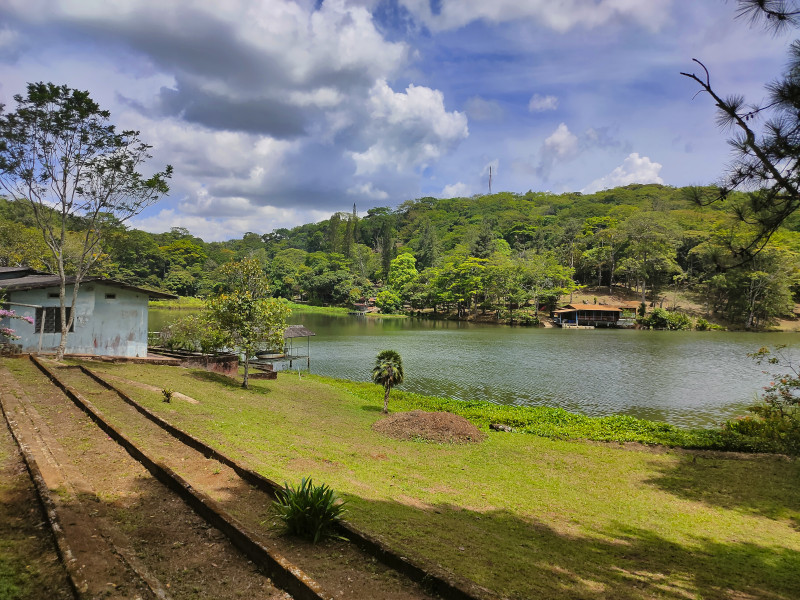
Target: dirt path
[
  {"x": 29, "y": 564},
  {"x": 129, "y": 536},
  {"x": 151, "y": 544}
]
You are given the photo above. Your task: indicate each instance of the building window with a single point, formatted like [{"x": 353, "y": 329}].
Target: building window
[
  {"x": 111, "y": 296},
  {"x": 52, "y": 294},
  {"x": 52, "y": 319}
]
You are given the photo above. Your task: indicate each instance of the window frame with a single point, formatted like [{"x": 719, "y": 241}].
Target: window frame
[{"x": 52, "y": 319}]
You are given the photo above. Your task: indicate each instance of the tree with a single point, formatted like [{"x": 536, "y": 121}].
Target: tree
[
  {"x": 389, "y": 302},
  {"x": 334, "y": 233},
  {"x": 543, "y": 278},
  {"x": 402, "y": 274},
  {"x": 59, "y": 153},
  {"x": 21, "y": 246},
  {"x": 757, "y": 292},
  {"x": 246, "y": 312},
  {"x": 388, "y": 372},
  {"x": 483, "y": 245},
  {"x": 466, "y": 282},
  {"x": 766, "y": 142},
  {"x": 428, "y": 249},
  {"x": 350, "y": 234},
  {"x": 386, "y": 247},
  {"x": 651, "y": 252}
]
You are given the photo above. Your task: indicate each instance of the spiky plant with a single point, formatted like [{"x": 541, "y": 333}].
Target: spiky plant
[
  {"x": 388, "y": 372},
  {"x": 309, "y": 511}
]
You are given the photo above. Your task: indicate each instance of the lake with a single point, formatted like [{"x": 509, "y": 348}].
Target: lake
[{"x": 692, "y": 379}]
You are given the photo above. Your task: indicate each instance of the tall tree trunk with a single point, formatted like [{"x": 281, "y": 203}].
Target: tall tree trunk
[
  {"x": 386, "y": 401},
  {"x": 611, "y": 275},
  {"x": 246, "y": 380},
  {"x": 62, "y": 344}
]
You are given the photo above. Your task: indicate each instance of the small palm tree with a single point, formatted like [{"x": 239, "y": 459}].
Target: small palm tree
[{"x": 388, "y": 372}]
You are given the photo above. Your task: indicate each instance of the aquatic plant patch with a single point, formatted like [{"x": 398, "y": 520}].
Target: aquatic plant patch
[{"x": 557, "y": 423}]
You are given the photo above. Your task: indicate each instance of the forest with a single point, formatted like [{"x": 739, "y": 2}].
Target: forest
[{"x": 505, "y": 254}]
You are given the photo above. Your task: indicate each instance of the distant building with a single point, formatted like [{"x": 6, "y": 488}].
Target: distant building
[
  {"x": 588, "y": 315},
  {"x": 110, "y": 316},
  {"x": 629, "y": 308}
]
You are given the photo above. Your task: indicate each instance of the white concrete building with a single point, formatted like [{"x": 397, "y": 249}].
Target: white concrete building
[{"x": 110, "y": 316}]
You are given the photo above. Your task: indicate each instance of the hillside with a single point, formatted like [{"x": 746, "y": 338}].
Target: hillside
[{"x": 493, "y": 254}]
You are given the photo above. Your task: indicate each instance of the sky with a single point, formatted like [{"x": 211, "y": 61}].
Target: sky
[{"x": 275, "y": 113}]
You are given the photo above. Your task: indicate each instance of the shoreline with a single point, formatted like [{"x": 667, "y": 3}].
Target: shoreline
[
  {"x": 190, "y": 303},
  {"x": 558, "y": 423}
]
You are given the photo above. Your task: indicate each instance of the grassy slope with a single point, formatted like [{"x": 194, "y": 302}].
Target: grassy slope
[{"x": 523, "y": 515}]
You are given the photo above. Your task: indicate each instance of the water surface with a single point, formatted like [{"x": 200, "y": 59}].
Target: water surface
[{"x": 685, "y": 378}]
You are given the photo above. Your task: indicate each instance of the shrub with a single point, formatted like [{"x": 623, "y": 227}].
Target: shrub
[
  {"x": 388, "y": 302},
  {"x": 167, "y": 393},
  {"x": 663, "y": 319},
  {"x": 308, "y": 511},
  {"x": 747, "y": 425},
  {"x": 679, "y": 321},
  {"x": 529, "y": 320},
  {"x": 704, "y": 325},
  {"x": 193, "y": 333},
  {"x": 777, "y": 418}
]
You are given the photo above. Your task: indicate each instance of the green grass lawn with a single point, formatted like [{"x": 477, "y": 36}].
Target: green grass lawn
[
  {"x": 524, "y": 515},
  {"x": 180, "y": 303},
  {"x": 190, "y": 303}
]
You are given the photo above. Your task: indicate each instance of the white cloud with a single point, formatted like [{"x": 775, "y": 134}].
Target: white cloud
[
  {"x": 561, "y": 144},
  {"x": 265, "y": 103},
  {"x": 368, "y": 190},
  {"x": 216, "y": 228},
  {"x": 290, "y": 41},
  {"x": 456, "y": 190},
  {"x": 560, "y": 16},
  {"x": 634, "y": 169},
  {"x": 542, "y": 103},
  {"x": 408, "y": 129}
]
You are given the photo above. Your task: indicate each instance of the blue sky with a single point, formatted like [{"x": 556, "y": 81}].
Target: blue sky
[{"x": 276, "y": 113}]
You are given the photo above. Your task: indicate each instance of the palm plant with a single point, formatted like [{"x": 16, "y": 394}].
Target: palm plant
[{"x": 388, "y": 372}]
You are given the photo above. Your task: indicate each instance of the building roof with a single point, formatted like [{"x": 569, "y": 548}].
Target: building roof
[
  {"x": 597, "y": 307},
  {"x": 34, "y": 280},
  {"x": 293, "y": 331},
  {"x": 11, "y": 272}
]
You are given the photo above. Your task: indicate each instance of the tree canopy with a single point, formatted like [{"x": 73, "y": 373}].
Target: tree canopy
[
  {"x": 60, "y": 155},
  {"x": 246, "y": 313},
  {"x": 765, "y": 137},
  {"x": 388, "y": 372}
]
